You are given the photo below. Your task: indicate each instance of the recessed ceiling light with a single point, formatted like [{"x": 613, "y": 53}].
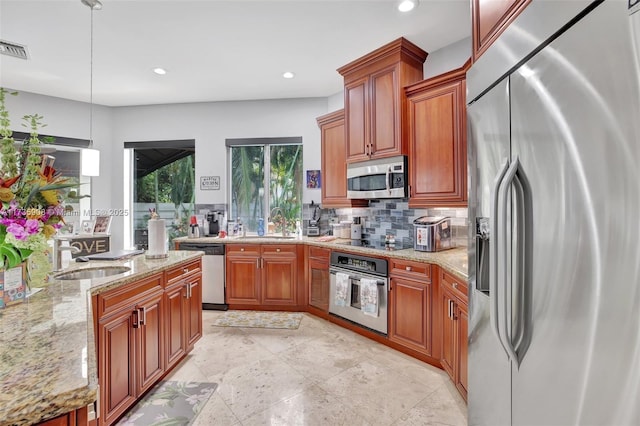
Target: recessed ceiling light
[
  {"x": 160, "y": 71},
  {"x": 407, "y": 5},
  {"x": 288, "y": 74}
]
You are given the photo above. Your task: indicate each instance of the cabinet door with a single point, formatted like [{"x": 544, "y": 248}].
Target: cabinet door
[
  {"x": 150, "y": 341},
  {"x": 194, "y": 310},
  {"x": 385, "y": 113},
  {"x": 117, "y": 363},
  {"x": 243, "y": 276},
  {"x": 279, "y": 275},
  {"x": 462, "y": 347},
  {"x": 334, "y": 167},
  {"x": 437, "y": 142},
  {"x": 356, "y": 98},
  {"x": 448, "y": 332},
  {"x": 319, "y": 283},
  {"x": 175, "y": 304},
  {"x": 410, "y": 314},
  {"x": 490, "y": 19}
]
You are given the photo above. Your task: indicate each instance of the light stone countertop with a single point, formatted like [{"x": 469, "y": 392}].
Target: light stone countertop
[
  {"x": 453, "y": 260},
  {"x": 47, "y": 345}
]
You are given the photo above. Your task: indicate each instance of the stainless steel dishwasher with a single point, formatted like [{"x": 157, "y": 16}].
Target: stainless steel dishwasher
[{"x": 212, "y": 274}]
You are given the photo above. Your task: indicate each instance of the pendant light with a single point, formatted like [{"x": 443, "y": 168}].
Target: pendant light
[{"x": 90, "y": 157}]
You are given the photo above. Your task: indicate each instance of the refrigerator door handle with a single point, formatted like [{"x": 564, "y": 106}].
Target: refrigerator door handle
[
  {"x": 502, "y": 271},
  {"x": 495, "y": 232},
  {"x": 524, "y": 208}
]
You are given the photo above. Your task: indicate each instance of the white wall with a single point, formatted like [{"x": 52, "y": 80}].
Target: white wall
[
  {"x": 447, "y": 58},
  {"x": 210, "y": 124}
]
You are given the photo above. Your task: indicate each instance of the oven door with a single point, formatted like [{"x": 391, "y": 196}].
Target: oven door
[{"x": 353, "y": 310}]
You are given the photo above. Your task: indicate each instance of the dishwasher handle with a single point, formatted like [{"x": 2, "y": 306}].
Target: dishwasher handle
[{"x": 208, "y": 249}]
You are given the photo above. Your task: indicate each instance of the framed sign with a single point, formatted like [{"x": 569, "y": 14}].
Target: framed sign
[
  {"x": 313, "y": 179},
  {"x": 209, "y": 182}
]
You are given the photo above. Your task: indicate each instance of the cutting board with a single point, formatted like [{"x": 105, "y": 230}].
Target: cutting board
[{"x": 115, "y": 254}]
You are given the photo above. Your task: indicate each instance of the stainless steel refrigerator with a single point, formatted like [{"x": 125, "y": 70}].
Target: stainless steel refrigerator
[{"x": 554, "y": 211}]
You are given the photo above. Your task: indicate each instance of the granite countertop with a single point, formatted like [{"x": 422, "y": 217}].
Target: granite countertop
[
  {"x": 47, "y": 345},
  {"x": 453, "y": 260}
]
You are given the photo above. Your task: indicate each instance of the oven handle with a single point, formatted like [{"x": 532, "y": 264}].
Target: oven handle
[{"x": 357, "y": 278}]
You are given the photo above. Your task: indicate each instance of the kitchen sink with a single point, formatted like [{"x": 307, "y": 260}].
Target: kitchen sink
[{"x": 89, "y": 273}]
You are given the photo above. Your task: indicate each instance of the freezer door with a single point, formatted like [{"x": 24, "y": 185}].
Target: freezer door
[
  {"x": 575, "y": 129},
  {"x": 488, "y": 149}
]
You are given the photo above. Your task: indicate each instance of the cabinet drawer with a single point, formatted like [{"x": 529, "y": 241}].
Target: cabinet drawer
[
  {"x": 408, "y": 268},
  {"x": 128, "y": 294},
  {"x": 455, "y": 285},
  {"x": 243, "y": 250},
  {"x": 279, "y": 249},
  {"x": 175, "y": 274},
  {"x": 319, "y": 253}
]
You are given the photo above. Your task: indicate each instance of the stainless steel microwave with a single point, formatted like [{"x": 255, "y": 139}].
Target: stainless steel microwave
[{"x": 382, "y": 178}]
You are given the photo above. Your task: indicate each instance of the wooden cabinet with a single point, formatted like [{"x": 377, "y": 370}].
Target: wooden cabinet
[
  {"x": 454, "y": 308},
  {"x": 262, "y": 274},
  {"x": 183, "y": 301},
  {"x": 374, "y": 99},
  {"x": 279, "y": 270},
  {"x": 318, "y": 277},
  {"x": 438, "y": 141},
  {"x": 143, "y": 329},
  {"x": 243, "y": 278},
  {"x": 77, "y": 417},
  {"x": 334, "y": 162},
  {"x": 489, "y": 19},
  {"x": 131, "y": 344},
  {"x": 410, "y": 300}
]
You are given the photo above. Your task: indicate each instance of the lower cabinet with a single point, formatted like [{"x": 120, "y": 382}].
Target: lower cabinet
[
  {"x": 130, "y": 338},
  {"x": 183, "y": 301},
  {"x": 143, "y": 329},
  {"x": 77, "y": 417},
  {"x": 318, "y": 277},
  {"x": 453, "y": 302},
  {"x": 262, "y": 274},
  {"x": 410, "y": 318}
]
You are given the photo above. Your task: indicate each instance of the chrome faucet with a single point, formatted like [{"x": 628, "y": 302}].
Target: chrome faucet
[
  {"x": 57, "y": 253},
  {"x": 284, "y": 220}
]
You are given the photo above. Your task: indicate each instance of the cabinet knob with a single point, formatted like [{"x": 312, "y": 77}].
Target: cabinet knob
[
  {"x": 242, "y": 249},
  {"x": 278, "y": 250},
  {"x": 408, "y": 268},
  {"x": 455, "y": 285},
  {"x": 185, "y": 270}
]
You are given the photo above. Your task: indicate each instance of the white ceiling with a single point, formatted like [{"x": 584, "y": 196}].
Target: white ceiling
[{"x": 213, "y": 50}]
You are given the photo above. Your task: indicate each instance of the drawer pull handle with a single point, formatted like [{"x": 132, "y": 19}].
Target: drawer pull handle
[
  {"x": 408, "y": 268},
  {"x": 455, "y": 285}
]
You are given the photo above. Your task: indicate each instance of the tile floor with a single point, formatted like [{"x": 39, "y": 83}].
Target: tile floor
[{"x": 319, "y": 374}]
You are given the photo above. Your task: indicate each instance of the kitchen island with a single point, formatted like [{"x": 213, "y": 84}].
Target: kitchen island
[{"x": 47, "y": 344}]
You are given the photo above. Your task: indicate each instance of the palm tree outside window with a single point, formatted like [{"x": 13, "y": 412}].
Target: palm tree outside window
[{"x": 266, "y": 177}]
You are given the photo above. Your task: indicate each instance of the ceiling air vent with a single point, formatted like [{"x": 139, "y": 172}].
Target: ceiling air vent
[{"x": 13, "y": 49}]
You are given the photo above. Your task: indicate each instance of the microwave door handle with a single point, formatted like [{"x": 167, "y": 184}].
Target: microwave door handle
[{"x": 389, "y": 179}]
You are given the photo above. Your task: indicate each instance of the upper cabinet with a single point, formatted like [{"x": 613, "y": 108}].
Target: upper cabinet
[
  {"x": 333, "y": 162},
  {"x": 437, "y": 140},
  {"x": 489, "y": 20},
  {"x": 374, "y": 100}
]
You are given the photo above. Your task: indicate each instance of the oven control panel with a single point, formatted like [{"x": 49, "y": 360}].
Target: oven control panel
[{"x": 356, "y": 262}]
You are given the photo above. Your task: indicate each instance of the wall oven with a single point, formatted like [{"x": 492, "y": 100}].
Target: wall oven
[
  {"x": 353, "y": 270},
  {"x": 382, "y": 178}
]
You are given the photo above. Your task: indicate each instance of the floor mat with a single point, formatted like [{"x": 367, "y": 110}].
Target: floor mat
[
  {"x": 260, "y": 319},
  {"x": 169, "y": 403}
]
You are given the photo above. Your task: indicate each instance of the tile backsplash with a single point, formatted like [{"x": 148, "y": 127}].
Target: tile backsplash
[{"x": 384, "y": 217}]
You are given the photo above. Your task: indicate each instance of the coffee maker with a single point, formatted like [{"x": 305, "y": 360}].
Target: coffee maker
[{"x": 213, "y": 218}]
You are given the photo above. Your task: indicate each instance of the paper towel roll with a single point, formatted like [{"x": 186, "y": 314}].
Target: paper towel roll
[{"x": 157, "y": 238}]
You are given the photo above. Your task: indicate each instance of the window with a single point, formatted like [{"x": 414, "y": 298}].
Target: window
[
  {"x": 164, "y": 180},
  {"x": 266, "y": 174}
]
